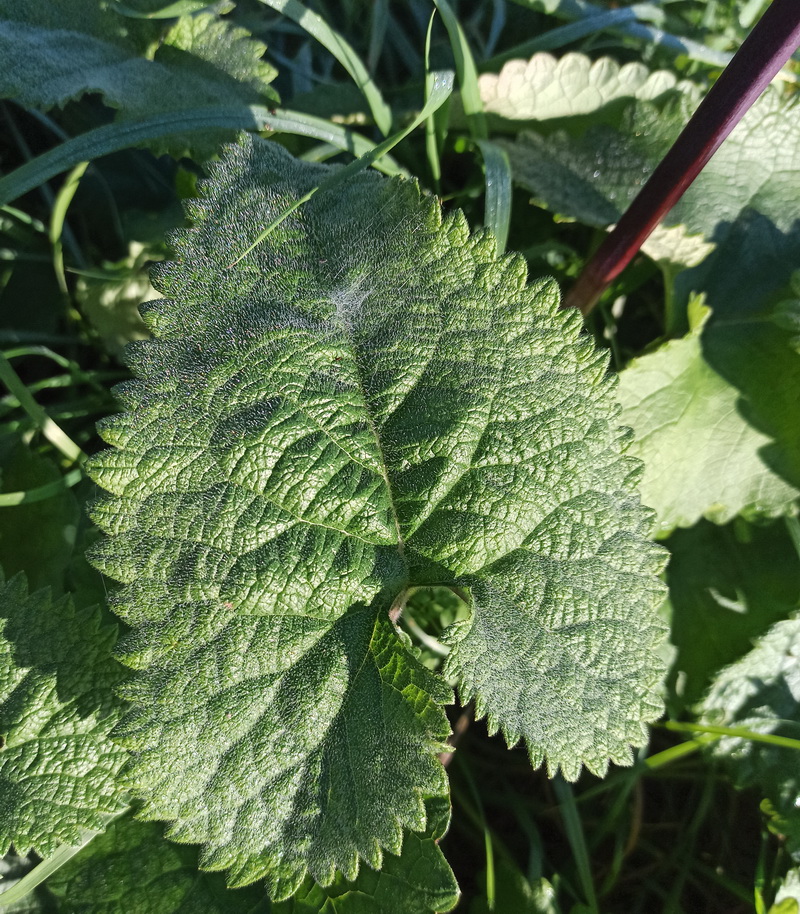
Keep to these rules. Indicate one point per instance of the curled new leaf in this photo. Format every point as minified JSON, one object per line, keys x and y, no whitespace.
{"x":366,"y":400}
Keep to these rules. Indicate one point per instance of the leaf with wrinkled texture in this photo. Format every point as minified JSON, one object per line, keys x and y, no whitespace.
{"x":761,"y":693}
{"x":132,"y":869}
{"x":53,"y":53}
{"x":545,"y":87}
{"x":58,"y":768}
{"x":418,"y":881}
{"x":368,"y":400}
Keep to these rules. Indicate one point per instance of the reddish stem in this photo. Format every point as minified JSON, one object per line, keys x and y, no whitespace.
{"x":765,"y":50}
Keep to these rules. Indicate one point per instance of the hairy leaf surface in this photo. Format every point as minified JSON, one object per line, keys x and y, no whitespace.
{"x":58,"y":768}
{"x":761,"y":693}
{"x":368,"y":400}
{"x":132,"y":869}
{"x":53,"y":53}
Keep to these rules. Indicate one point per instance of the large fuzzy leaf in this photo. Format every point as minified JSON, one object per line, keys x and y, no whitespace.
{"x":58,"y":767}
{"x":53,"y":53}
{"x":368,"y":399}
{"x":761,"y":693}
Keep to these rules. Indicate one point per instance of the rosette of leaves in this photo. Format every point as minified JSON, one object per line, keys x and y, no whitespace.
{"x":361,"y":400}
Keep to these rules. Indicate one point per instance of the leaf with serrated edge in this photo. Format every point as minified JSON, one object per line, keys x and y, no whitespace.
{"x":58,"y":767}
{"x":132,"y":869}
{"x":546,"y":87}
{"x":53,"y":53}
{"x":369,"y":400}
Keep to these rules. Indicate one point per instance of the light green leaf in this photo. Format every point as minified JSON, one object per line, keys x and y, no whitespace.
{"x":58,"y":768}
{"x":702,"y":456}
{"x":52,"y":55}
{"x":546,"y":87}
{"x":369,"y":400}
{"x":761,"y":693}
{"x":724,"y":593}
{"x":716,"y":416}
{"x":132,"y":869}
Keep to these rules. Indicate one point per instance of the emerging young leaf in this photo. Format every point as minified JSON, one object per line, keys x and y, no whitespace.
{"x":367,"y":400}
{"x":58,"y":768}
{"x":761,"y":693}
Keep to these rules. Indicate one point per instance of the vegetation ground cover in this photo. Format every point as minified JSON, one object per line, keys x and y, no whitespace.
{"x":327,"y":575}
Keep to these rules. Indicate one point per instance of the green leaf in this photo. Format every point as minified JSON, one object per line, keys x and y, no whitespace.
{"x":52,"y":56}
{"x":132,"y":869}
{"x":369,"y":400}
{"x":724,"y":594}
{"x":545,"y":87}
{"x":418,"y":881}
{"x":761,"y":692}
{"x":704,"y":454}
{"x":716,"y":416}
{"x":58,"y":768}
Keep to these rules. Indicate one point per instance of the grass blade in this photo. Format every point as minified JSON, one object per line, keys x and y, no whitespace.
{"x":171,"y":11}
{"x":343,"y":51}
{"x":57,"y":218}
{"x":574,"y":829}
{"x":441,"y":91}
{"x":41,"y":493}
{"x":466,"y":72}
{"x":114,"y":137}
{"x":50,"y":864}
{"x":53,"y":432}
{"x":498,"y":191}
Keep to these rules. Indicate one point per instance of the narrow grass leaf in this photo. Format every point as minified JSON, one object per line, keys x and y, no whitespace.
{"x":440,"y":92}
{"x":171,"y":11}
{"x":577,"y":841}
{"x":497,"y":170}
{"x":466,"y":71}
{"x":343,"y":51}
{"x":58,"y":217}
{"x":50,"y":864}
{"x":41,"y":493}
{"x":53,"y":432}
{"x":113,"y":137}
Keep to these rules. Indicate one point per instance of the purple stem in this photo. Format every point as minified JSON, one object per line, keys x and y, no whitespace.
{"x":765,"y":50}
